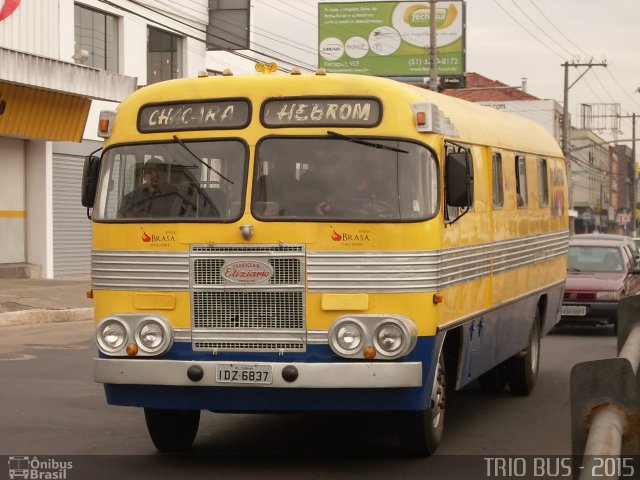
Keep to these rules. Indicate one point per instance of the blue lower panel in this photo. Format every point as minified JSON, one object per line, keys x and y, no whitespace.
{"x":267,"y":399}
{"x":242,"y":399}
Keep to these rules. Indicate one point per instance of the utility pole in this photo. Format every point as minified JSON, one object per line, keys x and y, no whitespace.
{"x":433,"y":72}
{"x":634,"y":180}
{"x":634,"y":186}
{"x":566,"y":123}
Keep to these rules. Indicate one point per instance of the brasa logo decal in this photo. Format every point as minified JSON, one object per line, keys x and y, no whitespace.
{"x":7,"y":7}
{"x":359,"y":236}
{"x":163,"y":239}
{"x":247,"y":271}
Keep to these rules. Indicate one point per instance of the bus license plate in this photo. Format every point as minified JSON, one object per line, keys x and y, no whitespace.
{"x":574,"y":310}
{"x":243,"y":373}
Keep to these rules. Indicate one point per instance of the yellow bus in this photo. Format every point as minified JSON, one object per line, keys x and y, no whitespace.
{"x":319,"y":242}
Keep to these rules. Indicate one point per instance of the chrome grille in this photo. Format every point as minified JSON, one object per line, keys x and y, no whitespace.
{"x":206,"y":271}
{"x":256,"y":346}
{"x":248,"y":310}
{"x":259,"y":316}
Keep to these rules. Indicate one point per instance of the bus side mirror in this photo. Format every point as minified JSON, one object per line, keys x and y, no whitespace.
{"x":459,"y":179}
{"x":90,"y":174}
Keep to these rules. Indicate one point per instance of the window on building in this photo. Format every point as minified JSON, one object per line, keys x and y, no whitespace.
{"x":96,"y":39}
{"x":497,"y":185}
{"x":521,"y":181}
{"x":164,"y":56}
{"x":543,"y":186}
{"x":228,"y":27}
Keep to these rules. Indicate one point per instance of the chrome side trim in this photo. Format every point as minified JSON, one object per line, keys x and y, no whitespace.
{"x":369,"y":271}
{"x":318,"y":337}
{"x":420,"y":271}
{"x":181,"y":334}
{"x":310,"y":375}
{"x":134,"y":270}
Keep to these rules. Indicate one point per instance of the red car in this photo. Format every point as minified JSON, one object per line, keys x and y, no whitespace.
{"x":601,"y":272}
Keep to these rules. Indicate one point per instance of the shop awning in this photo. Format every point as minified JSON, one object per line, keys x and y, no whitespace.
{"x":49,"y":99}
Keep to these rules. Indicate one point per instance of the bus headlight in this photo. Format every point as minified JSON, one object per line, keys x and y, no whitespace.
{"x":349,"y":337}
{"x":152,"y":335}
{"x":111,"y":335}
{"x":346,"y":337}
{"x":389,"y":338}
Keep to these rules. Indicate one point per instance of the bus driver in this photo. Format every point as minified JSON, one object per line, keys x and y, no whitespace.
{"x":155,"y":197}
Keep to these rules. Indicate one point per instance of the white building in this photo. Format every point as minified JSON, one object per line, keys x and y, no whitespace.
{"x":62,"y":61}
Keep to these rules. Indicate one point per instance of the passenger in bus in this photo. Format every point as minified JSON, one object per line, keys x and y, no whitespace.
{"x":369,"y":190}
{"x":155,"y":197}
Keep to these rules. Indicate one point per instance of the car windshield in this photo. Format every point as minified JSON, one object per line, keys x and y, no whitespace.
{"x":176,"y":181}
{"x":595,"y":259}
{"x":344,"y":178}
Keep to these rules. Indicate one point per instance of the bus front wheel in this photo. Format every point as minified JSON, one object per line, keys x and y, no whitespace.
{"x":172,"y":430}
{"x":421,"y":432}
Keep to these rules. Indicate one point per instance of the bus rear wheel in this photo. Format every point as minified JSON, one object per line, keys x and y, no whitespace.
{"x":172,"y":430}
{"x":421,"y":432}
{"x":522,"y":368}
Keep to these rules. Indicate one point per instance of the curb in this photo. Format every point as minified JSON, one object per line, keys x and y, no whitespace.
{"x":36,"y":316}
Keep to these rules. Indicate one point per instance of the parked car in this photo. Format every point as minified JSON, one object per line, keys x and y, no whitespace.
{"x":602,"y":270}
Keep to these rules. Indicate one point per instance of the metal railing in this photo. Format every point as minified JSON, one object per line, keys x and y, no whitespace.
{"x":605,"y":406}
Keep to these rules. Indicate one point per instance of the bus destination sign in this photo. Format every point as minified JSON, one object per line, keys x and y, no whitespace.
{"x":210,"y":115}
{"x":321,"y":112}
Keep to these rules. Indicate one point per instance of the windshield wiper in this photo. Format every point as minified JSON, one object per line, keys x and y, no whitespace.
{"x":364,"y":142}
{"x":178,"y":140}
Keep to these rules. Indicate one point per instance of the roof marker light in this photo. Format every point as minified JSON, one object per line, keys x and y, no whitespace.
{"x":105,"y":123}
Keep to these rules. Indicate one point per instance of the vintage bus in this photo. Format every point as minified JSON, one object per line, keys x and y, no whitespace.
{"x":319,"y":242}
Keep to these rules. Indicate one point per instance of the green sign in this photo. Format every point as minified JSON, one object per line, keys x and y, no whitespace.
{"x":390,"y":38}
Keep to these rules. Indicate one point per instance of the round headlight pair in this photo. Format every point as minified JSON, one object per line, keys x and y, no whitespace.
{"x":389,"y":337}
{"x":147,"y":335}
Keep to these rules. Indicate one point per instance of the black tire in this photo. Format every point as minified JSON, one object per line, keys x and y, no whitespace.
{"x":421,"y":432}
{"x":495,"y":380}
{"x":172,"y":430}
{"x":522,"y":368}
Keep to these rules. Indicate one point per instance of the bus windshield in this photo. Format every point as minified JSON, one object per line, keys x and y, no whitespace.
{"x":177,"y":181}
{"x":344,"y":178}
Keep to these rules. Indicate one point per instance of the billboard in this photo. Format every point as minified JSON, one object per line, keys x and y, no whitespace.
{"x":390,"y":38}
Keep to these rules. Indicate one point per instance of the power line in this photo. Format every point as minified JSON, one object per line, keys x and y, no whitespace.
{"x":527,"y":30}
{"x":558,"y":30}
{"x":233,"y":52}
{"x":540,"y":28}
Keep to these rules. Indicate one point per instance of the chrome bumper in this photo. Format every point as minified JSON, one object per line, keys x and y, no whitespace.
{"x":310,"y":375}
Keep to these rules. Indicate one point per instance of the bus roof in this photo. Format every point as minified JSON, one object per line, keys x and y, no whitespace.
{"x":475,"y":124}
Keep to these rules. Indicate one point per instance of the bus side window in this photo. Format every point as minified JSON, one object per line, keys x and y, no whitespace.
{"x":521,"y":182}
{"x":543,"y":185}
{"x":497,"y":180}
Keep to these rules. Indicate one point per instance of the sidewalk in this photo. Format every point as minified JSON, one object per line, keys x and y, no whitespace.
{"x":29,"y":301}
